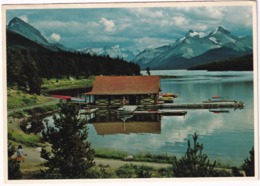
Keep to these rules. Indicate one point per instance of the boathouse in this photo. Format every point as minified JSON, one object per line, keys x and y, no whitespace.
{"x":125,"y":90}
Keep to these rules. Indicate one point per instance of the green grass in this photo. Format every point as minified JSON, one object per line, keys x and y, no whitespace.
{"x":142,"y":157}
{"x":17,"y":98}
{"x":19,"y":136}
{"x":110,"y":153}
{"x":65,"y":83}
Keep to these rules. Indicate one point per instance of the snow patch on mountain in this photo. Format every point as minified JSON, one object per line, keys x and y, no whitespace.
{"x":113,"y":52}
{"x":193,"y":45}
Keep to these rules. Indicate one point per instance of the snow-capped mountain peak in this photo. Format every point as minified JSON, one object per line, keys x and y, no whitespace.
{"x":19,"y":26}
{"x":192,"y":46}
{"x":222,"y":36}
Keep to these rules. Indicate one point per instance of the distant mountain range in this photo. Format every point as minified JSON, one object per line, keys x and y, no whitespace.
{"x":192,"y":50}
{"x":196,"y":49}
{"x":23,"y":29}
{"x":113,"y":52}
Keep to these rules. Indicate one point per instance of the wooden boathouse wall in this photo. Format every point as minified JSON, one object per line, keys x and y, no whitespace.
{"x":110,"y":100}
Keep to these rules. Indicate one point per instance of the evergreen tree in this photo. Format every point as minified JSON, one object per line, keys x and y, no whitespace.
{"x":31,"y":73}
{"x":71,"y":155}
{"x":13,"y":166}
{"x":194,"y":163}
{"x":249,"y":164}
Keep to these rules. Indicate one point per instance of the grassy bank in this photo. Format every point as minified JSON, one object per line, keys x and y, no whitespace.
{"x":18,"y":98}
{"x":66,"y":83}
{"x":142,"y":157}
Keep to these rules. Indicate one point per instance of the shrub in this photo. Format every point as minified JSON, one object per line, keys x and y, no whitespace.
{"x":249,"y":164}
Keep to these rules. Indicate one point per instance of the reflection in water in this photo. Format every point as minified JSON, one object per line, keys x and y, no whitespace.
{"x":227,"y":135}
{"x":107,"y":122}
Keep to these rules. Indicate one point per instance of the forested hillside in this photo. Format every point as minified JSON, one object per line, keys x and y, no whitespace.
{"x":244,"y":63}
{"x":26,"y":68}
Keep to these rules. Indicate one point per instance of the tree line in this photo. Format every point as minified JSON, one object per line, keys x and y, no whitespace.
{"x":244,"y":63}
{"x":26,"y":68}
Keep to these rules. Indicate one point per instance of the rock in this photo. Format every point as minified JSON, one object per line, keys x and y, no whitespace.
{"x":129,"y":158}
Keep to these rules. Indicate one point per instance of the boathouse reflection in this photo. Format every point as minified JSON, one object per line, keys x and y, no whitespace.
{"x":108,"y":122}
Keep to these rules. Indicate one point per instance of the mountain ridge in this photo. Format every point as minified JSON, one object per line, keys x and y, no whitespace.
{"x":195,"y":48}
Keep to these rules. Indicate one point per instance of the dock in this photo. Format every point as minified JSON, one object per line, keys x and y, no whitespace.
{"x":132,"y":110}
{"x":165,"y":112}
{"x":203,"y":105}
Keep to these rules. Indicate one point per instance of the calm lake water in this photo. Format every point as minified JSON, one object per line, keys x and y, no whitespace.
{"x":227,"y":137}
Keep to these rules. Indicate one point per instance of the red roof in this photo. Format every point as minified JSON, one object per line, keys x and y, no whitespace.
{"x":125,"y":85}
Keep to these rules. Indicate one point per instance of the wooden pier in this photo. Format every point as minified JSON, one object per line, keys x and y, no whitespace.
{"x":208,"y":105}
{"x":165,"y":112}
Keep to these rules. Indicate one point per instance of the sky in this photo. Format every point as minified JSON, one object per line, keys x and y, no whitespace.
{"x":132,"y":28}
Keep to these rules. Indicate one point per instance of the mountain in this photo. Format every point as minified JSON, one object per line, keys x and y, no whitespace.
{"x":195,"y":49}
{"x":21,"y":34}
{"x":20,"y":27}
{"x":29,"y":37}
{"x":113,"y":52}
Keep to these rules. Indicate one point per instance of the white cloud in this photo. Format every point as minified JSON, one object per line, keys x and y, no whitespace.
{"x":55,"y":37}
{"x":180,"y":21}
{"x":147,"y":12}
{"x":210,"y":12}
{"x":108,"y":24}
{"x":148,"y":42}
{"x":24,"y":18}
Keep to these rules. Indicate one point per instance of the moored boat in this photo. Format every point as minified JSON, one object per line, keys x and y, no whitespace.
{"x":216,"y":111}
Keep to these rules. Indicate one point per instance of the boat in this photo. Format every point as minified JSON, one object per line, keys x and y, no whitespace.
{"x":68,"y":98}
{"x":217,"y":111}
{"x":62,"y":97}
{"x":215,"y":97}
{"x":77,"y":99}
{"x":167,"y":99}
{"x":218,"y":99}
{"x":168,"y":95}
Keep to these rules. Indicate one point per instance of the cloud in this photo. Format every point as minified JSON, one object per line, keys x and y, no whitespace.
{"x":209,"y":12}
{"x":151,"y":25}
{"x":24,"y":18}
{"x":147,"y":12}
{"x":180,"y":21}
{"x":55,"y":37}
{"x":109,"y":25}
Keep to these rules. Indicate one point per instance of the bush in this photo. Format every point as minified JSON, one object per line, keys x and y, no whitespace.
{"x":134,"y":171}
{"x":165,"y":172}
{"x":126,"y":171}
{"x":18,"y":114}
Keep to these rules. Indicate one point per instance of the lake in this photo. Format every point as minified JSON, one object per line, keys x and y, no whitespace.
{"x":227,"y":137}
